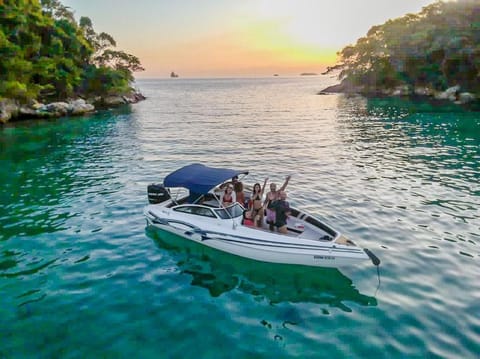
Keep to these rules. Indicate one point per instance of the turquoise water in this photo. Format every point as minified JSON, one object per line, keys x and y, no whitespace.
{"x":81,"y":276}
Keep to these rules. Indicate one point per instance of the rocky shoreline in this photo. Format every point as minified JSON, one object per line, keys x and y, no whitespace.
{"x":452,"y":94}
{"x":12,"y":110}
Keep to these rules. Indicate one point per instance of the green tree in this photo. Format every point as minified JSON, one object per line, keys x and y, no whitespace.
{"x":438,"y":47}
{"x":45,"y":54}
{"x":106,"y":65}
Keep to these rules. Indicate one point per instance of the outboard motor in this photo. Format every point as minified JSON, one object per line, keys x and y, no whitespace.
{"x":157,"y":193}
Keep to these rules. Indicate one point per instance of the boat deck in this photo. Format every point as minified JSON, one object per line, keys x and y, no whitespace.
{"x":306,"y":232}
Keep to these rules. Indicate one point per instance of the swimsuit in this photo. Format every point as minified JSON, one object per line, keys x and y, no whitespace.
{"x":248,"y":222}
{"x":281,"y":209}
{"x":257,"y":198}
{"x":270,"y":211}
{"x":270,"y":216}
{"x":256,"y":210}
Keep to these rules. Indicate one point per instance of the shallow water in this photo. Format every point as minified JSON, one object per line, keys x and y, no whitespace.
{"x":81,"y":276}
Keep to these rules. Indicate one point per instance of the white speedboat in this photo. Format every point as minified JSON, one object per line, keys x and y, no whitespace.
{"x":198,"y":216}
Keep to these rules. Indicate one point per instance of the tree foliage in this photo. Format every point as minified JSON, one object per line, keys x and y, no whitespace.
{"x":436,"y":48}
{"x":45,"y":54}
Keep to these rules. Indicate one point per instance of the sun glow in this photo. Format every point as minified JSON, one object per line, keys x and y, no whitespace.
{"x":304,"y":22}
{"x":295,"y":34}
{"x":238,"y":38}
{"x":250,"y":46}
{"x":285,"y":46}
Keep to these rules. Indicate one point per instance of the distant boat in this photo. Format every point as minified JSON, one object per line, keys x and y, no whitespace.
{"x":275,"y":74}
{"x":173,"y":74}
{"x":308,"y":74}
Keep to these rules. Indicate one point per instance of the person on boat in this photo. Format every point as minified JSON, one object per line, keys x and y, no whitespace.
{"x":232,"y":182}
{"x":238,"y":188}
{"x":282,"y":211}
{"x":228,"y":196}
{"x":235,"y":180}
{"x":256,"y":202}
{"x":248,"y":219}
{"x":271,"y":197}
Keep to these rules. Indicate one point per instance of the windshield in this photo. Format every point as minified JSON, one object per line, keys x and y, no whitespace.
{"x":235,"y":210}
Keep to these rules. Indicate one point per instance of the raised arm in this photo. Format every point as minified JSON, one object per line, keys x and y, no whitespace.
{"x":264,"y":185}
{"x":285,"y":183}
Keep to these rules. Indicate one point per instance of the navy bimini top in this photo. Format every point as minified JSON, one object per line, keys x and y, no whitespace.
{"x":199,"y":178}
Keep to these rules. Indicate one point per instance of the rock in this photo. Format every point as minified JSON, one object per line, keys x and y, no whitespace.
{"x":423,"y":91}
{"x":80,"y":107}
{"x":95,"y":100}
{"x":114,"y":100}
{"x":134,"y":97}
{"x":77,"y":102}
{"x":43,"y":111}
{"x":449,"y":94}
{"x":402,"y":90}
{"x":332,"y":89}
{"x":57,"y":108}
{"x":36,"y":105}
{"x":139,"y":96}
{"x":27,"y":111}
{"x":35,"y":110}
{"x":466,"y":97}
{"x":343,"y":87}
{"x":8,"y":109}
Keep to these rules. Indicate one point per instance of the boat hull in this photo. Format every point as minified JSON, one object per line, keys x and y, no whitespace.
{"x":261,"y":245}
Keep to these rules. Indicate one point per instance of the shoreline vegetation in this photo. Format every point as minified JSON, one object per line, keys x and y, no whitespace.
{"x":434,"y":54}
{"x":53,"y":66}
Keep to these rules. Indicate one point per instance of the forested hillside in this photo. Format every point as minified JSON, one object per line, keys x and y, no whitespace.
{"x":433,"y":50}
{"x":45,"y":55}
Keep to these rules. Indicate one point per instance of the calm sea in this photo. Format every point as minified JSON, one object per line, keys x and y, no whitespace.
{"x":82,"y":277}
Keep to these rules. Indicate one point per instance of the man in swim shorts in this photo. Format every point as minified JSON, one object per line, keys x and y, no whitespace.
{"x":282,"y":210}
{"x":271,"y":197}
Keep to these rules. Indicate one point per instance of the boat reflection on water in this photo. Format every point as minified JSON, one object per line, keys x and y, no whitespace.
{"x":220,"y":272}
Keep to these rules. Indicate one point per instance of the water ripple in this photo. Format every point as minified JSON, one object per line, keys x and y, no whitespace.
{"x":398,"y":178}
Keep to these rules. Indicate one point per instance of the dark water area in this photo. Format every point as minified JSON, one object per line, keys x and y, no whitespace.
{"x":82,"y":276}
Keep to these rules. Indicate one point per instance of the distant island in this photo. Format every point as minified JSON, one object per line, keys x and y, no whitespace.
{"x":433,"y":53}
{"x":173,"y":74}
{"x":52,"y":66}
{"x":308,"y":74}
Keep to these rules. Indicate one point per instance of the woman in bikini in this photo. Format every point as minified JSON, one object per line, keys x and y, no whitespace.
{"x":271,"y":197}
{"x":256,"y":202}
{"x":228,"y":197}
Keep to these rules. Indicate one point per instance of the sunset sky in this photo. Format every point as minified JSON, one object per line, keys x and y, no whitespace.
{"x":207,"y":38}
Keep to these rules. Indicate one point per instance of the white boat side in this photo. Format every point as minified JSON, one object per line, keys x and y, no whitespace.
{"x":309,"y":242}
